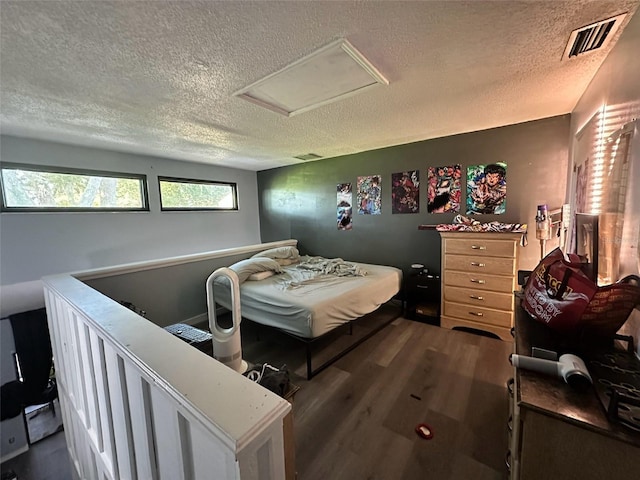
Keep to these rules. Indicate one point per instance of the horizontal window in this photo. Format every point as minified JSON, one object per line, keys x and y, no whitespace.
{"x":32,"y":188}
{"x":186,"y":194}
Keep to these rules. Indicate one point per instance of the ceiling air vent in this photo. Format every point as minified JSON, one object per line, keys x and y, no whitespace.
{"x":592,"y":37}
{"x":308,"y":156}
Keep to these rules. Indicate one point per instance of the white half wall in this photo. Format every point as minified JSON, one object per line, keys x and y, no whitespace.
{"x":139,"y":403}
{"x":37,"y":244}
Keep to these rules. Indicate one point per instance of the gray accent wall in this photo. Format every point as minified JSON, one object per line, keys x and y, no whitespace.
{"x":170,"y":291}
{"x":38,"y":244}
{"x":300,"y":201}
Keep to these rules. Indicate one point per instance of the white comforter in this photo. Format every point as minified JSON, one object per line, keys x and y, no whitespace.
{"x":317,"y":270}
{"x":308,"y":302}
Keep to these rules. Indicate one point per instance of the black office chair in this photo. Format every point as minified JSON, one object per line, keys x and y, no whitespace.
{"x":35,"y":360}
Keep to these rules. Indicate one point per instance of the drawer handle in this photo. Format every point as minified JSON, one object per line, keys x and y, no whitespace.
{"x":478,"y":247}
{"x":510,"y":423}
{"x":422,"y":286}
{"x":507,"y":460}
{"x":510,"y":384}
{"x":477,"y":264}
{"x":476,"y":297}
{"x":477,"y":314}
{"x":475,"y":280}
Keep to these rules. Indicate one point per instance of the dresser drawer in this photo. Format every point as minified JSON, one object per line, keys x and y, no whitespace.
{"x":480,"y":247}
{"x":478,"y":314}
{"x":479,"y":298}
{"x":480,"y":264}
{"x":479,"y":281}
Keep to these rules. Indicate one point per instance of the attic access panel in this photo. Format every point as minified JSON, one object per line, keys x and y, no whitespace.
{"x":333,"y":72}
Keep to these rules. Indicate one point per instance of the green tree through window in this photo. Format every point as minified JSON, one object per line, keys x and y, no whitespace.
{"x":35,"y":188}
{"x":184,"y":194}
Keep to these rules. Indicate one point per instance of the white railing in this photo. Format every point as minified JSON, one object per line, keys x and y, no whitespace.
{"x":139,"y":403}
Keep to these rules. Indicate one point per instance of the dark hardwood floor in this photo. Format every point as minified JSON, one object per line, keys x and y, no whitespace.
{"x":46,"y":459}
{"x":356,"y":419}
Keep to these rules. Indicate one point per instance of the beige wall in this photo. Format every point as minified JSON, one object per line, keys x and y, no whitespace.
{"x":616,"y":85}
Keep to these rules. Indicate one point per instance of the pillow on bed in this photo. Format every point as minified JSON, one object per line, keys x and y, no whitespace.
{"x":245,"y":268}
{"x":261,"y":275}
{"x":290,"y":253}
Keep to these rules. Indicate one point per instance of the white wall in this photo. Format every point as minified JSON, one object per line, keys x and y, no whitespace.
{"x":616,"y":86}
{"x":36,"y":244}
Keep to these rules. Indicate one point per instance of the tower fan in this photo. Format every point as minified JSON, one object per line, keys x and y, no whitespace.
{"x":227,"y":344}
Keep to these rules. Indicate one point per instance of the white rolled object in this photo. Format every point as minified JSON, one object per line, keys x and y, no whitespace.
{"x":568,"y":367}
{"x":227,"y":342}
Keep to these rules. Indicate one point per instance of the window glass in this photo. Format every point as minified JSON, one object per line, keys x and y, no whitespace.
{"x":185,"y":194}
{"x":37,"y":188}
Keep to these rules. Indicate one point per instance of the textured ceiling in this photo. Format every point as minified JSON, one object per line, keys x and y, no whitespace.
{"x":158,"y":77}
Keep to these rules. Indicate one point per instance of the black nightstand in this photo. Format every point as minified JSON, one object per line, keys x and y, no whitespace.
{"x":422,"y":298}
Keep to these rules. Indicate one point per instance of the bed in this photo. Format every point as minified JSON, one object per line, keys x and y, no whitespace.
{"x":307,"y":297}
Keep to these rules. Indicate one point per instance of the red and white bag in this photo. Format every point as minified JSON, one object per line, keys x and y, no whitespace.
{"x":560,"y":295}
{"x":558,"y":292}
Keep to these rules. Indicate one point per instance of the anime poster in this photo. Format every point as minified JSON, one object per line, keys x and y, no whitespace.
{"x":487,"y":189}
{"x":405,"y":193}
{"x":345,"y":198}
{"x":369,"y":195}
{"x":443,"y":191}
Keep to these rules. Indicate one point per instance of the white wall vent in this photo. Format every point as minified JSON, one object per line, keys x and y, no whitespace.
{"x":308,"y":156}
{"x":592,"y":37}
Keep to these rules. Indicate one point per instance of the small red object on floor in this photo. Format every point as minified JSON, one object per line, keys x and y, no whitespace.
{"x":425,"y":431}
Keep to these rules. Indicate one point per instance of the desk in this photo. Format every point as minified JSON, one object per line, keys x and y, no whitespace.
{"x":556,"y":432}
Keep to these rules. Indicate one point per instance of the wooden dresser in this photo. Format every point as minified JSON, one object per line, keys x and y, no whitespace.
{"x":478,"y":280}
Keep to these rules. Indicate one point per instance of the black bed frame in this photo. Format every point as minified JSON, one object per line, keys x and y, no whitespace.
{"x":309,"y":342}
